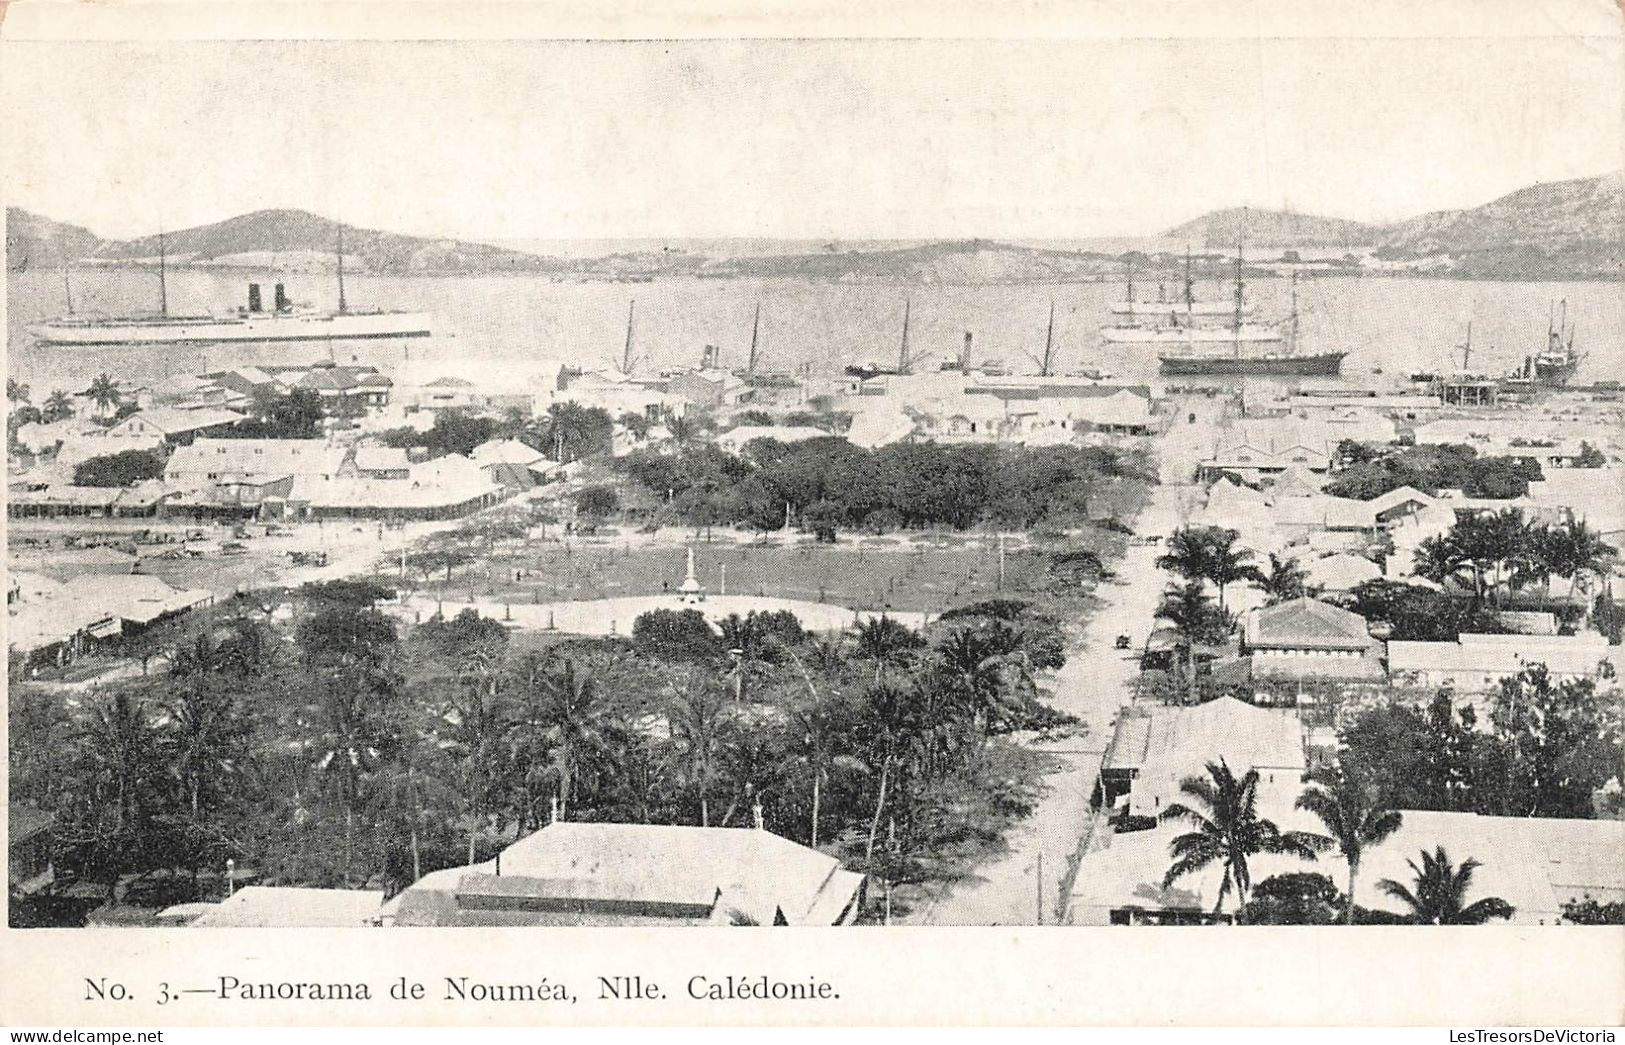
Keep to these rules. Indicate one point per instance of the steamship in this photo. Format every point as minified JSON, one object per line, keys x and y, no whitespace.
{"x":1195,"y":358}
{"x":1185,"y":320}
{"x":284,"y":321}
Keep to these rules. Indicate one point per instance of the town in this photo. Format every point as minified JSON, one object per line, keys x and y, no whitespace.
{"x":443,"y":643}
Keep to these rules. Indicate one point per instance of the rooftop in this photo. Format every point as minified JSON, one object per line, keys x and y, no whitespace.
{"x":1306,"y":623}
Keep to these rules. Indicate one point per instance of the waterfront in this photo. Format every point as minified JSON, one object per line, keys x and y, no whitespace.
{"x":1395,"y":325}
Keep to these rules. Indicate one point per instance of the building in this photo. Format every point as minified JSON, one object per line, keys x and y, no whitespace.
{"x":637,"y":874}
{"x":1338,"y":572}
{"x":1153,"y":749}
{"x":1308,"y":639}
{"x":1535,"y":864}
{"x":708,"y":389}
{"x":1478,"y":663}
{"x":734,"y":439}
{"x":93,"y":609}
{"x":287,"y":907}
{"x":227,"y":461}
{"x":1255,"y":449}
{"x":345,"y":391}
{"x":443,"y":488}
{"x":169,"y":425}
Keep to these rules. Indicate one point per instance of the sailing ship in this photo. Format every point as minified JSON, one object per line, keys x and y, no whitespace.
{"x":1190,"y":322}
{"x":1164,"y":304}
{"x":869,"y":368}
{"x":1197,"y":357}
{"x":1558,"y":361}
{"x":284,"y":321}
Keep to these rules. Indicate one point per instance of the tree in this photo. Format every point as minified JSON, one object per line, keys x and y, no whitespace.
{"x":1295,"y":898}
{"x":676,"y":634}
{"x":1352,"y":818}
{"x":1285,"y":580}
{"x":1589,"y":911}
{"x":822,"y":518}
{"x":1438,"y":894}
{"x":695,"y":708}
{"x":1228,"y":831}
{"x":1590,"y":457}
{"x":121,"y":469}
{"x":206,"y":741}
{"x":637,"y":424}
{"x":571,"y":432}
{"x":58,"y":407}
{"x":597,"y":503}
{"x":884,"y":640}
{"x":1562,"y":743}
{"x":17,"y":392}
{"x":1208,"y":553}
{"x":295,"y":414}
{"x":562,"y":721}
{"x":103,"y":391}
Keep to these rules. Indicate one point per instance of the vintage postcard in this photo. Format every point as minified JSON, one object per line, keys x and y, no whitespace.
{"x":541,"y":514}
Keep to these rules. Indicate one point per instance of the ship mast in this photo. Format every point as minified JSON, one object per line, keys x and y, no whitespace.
{"x":343,"y":308}
{"x":163,"y":283}
{"x":626,"y":353}
{"x":1049,"y":344}
{"x":755,"y":329}
{"x":1467,"y":347}
{"x":1128,"y":266}
{"x":902,"y":350}
{"x":67,"y":287}
{"x":1190,"y":286}
{"x":1240,"y":291}
{"x":1292,"y":345}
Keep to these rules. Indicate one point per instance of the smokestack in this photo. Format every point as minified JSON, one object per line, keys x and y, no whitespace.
{"x":282,"y":303}
{"x":253,"y":297}
{"x":964,"y":355}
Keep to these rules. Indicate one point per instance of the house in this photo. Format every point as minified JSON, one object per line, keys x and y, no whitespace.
{"x":1478,"y":663}
{"x":637,"y":874}
{"x":1305,"y":638}
{"x":170,"y":425}
{"x":377,"y":462}
{"x":225,"y":461}
{"x":879,"y":426}
{"x":447,"y":393}
{"x":512,"y":464}
{"x":93,"y":608}
{"x":1339,"y":572}
{"x":734,"y":439}
{"x":1536,"y":864}
{"x":1302,"y":516}
{"x":345,"y":391}
{"x":1153,"y":749}
{"x":443,"y":488}
{"x":1255,"y":449}
{"x":287,"y":907}
{"x":708,"y":389}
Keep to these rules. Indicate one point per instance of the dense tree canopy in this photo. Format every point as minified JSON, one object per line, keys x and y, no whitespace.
{"x":904,"y":485}
{"x":120,"y":469}
{"x":1432,"y":468}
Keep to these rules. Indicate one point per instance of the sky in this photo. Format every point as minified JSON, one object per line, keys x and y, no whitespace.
{"x":796,"y":139}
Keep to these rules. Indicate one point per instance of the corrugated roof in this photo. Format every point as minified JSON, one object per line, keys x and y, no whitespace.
{"x":284,"y":907}
{"x":1306,"y":623}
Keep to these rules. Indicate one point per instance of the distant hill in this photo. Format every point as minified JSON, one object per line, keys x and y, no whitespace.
{"x":1572,"y":228}
{"x":1566,"y":227}
{"x":1223,"y":228}
{"x":295,"y":232}
{"x":954,"y":262}
{"x":36,"y":242}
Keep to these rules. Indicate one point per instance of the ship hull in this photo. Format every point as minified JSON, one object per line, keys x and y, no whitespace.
{"x":1324,"y":363}
{"x":1554,"y":373}
{"x":1248,"y":335}
{"x":211,"y":330}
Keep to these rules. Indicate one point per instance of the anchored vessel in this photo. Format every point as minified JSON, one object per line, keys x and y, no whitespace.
{"x":284,"y":321}
{"x":1188,"y":321}
{"x":1196,"y":356}
{"x":1558,"y":361}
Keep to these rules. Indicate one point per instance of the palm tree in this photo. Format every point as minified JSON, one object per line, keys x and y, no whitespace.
{"x":1439,"y":894}
{"x":1353,"y":818}
{"x":17,"y":392}
{"x":205,"y":739}
{"x":476,"y":722}
{"x":1574,"y":550}
{"x":1285,"y":580}
{"x":695,"y":710}
{"x":58,"y":407}
{"x":1187,"y":608}
{"x":884,"y":641}
{"x":104,"y":393}
{"x":1228,"y":831}
{"x":1209,"y":553}
{"x":562,"y":714}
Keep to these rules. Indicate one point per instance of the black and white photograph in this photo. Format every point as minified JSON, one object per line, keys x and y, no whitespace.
{"x":1170,"y":477}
